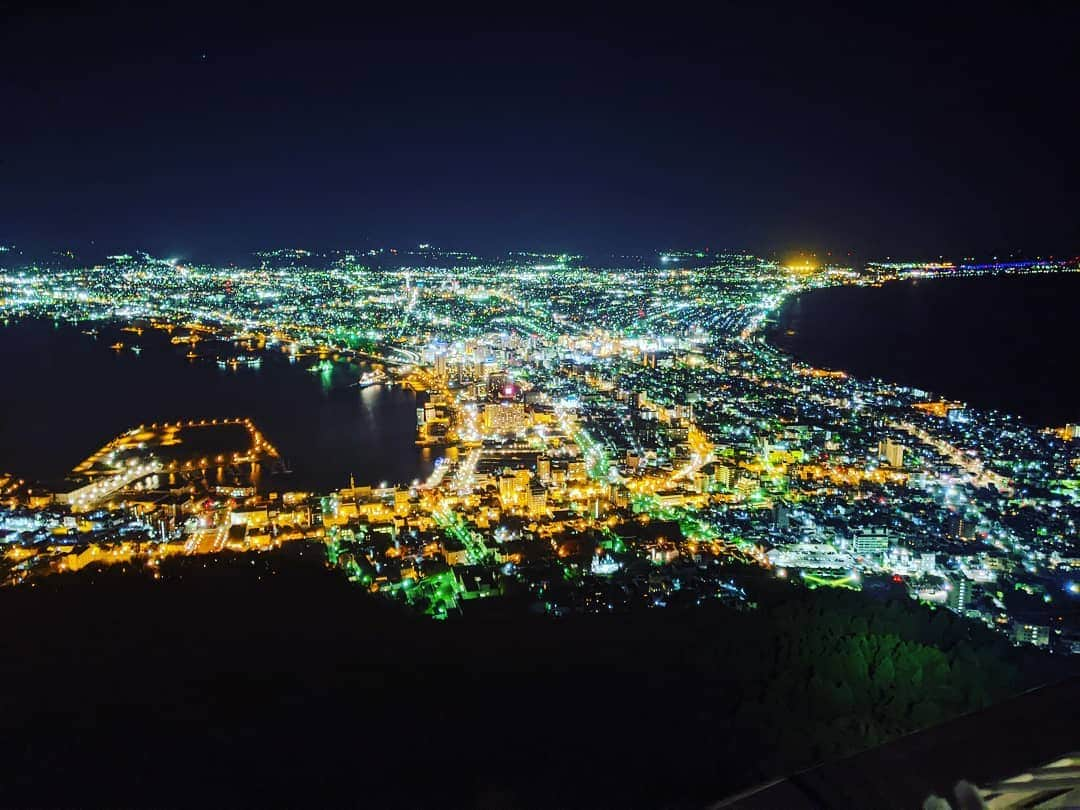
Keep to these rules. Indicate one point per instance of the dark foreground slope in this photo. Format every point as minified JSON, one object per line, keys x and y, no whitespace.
{"x":990,"y":748}
{"x":272,"y":681}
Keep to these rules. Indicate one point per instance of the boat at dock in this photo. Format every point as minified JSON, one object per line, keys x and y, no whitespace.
{"x":369,"y":378}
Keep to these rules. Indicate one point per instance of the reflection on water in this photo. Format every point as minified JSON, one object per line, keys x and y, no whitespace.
{"x":67,"y":393}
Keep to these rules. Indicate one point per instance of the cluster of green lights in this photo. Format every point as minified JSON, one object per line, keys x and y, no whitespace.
{"x":455,"y":527}
{"x":850,"y":580}
{"x":598,"y":462}
{"x":694,"y":527}
{"x":435,"y":595}
{"x":611,"y":541}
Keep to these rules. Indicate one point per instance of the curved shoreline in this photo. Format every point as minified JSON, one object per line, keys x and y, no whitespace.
{"x":331,"y":413}
{"x":772,"y":332}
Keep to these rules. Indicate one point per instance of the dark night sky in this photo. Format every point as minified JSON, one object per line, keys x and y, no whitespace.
{"x":213,"y":131}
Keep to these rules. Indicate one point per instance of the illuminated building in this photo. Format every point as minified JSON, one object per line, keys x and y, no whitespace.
{"x":507,"y":483}
{"x":872,"y":541}
{"x":604,"y":564}
{"x":256,"y":516}
{"x":1037,"y":635}
{"x":747,"y":485}
{"x":723,"y":475}
{"x":927,"y":563}
{"x":809,"y":555}
{"x":537,"y":500}
{"x":959,"y":528}
{"x":960,"y":591}
{"x":892,"y":452}
{"x":616,"y":387}
{"x":504,"y":417}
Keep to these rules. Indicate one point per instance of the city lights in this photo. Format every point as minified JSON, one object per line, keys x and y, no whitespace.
{"x":597,"y":418}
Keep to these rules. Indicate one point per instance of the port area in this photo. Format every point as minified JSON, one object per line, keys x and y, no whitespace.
{"x":182,"y":445}
{"x":228,"y":450}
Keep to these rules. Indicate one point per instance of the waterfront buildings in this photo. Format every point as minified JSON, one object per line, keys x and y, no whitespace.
{"x":598,"y":430}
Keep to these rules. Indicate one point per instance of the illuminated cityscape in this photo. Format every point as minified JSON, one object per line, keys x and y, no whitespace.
{"x":539,"y":409}
{"x":605,"y":439}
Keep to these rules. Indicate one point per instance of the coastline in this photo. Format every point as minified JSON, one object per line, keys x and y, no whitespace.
{"x":773,"y":333}
{"x":304,"y":415}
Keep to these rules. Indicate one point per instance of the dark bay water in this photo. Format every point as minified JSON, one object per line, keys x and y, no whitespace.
{"x":64,"y":394}
{"x":1006,"y":342}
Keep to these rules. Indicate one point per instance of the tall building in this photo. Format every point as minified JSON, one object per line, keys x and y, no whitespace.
{"x":507,"y":490}
{"x":543,"y":468}
{"x":781,"y":515}
{"x":537,"y":499}
{"x":724,"y":475}
{"x":522,"y":478}
{"x":960,"y":596}
{"x":892,"y":452}
{"x":871,"y":541}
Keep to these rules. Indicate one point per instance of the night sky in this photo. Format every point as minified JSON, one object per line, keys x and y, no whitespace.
{"x":205,"y":131}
